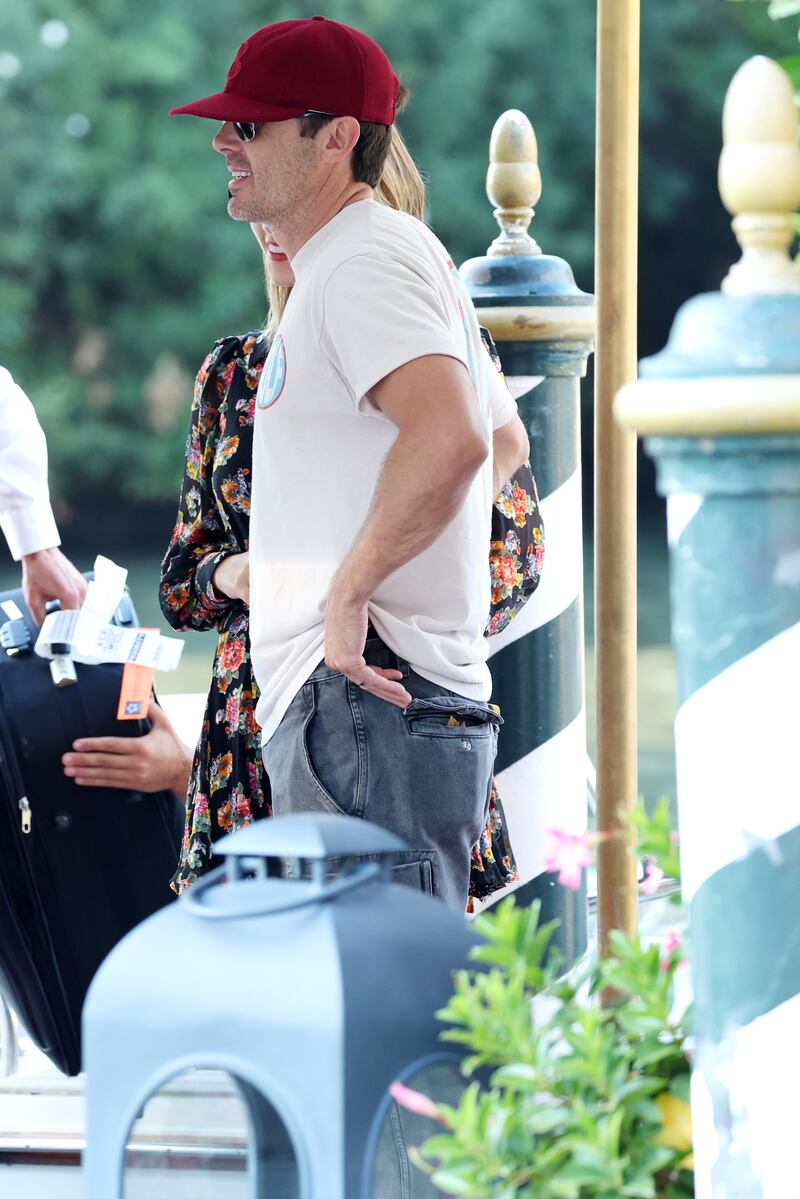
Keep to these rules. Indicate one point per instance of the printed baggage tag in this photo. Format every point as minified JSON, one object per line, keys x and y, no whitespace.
{"x":136,"y":689}
{"x":12,"y":610}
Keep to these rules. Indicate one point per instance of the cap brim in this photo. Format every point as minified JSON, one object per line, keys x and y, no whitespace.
{"x":227,"y":106}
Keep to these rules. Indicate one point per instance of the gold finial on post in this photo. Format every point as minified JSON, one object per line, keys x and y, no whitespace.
{"x":513,"y":182}
{"x":759,"y":177}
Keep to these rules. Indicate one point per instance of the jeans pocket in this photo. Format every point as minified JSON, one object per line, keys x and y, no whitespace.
{"x":415,"y":869}
{"x":451,"y":716}
{"x":333,"y":744}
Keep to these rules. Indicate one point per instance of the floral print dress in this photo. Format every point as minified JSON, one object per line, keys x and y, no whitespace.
{"x":228,"y":787}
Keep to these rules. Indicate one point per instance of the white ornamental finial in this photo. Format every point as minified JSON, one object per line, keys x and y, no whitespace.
{"x":759,"y":177}
{"x":513,"y":182}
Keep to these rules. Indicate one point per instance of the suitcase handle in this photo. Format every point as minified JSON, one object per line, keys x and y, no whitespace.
{"x":305,"y":893}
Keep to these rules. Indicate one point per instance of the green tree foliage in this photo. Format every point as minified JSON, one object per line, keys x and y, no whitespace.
{"x":120,"y":266}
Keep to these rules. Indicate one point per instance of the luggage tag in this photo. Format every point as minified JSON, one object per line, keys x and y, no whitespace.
{"x":135,"y":689}
{"x":91,"y":638}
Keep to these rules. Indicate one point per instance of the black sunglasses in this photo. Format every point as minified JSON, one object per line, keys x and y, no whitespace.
{"x":246,"y":130}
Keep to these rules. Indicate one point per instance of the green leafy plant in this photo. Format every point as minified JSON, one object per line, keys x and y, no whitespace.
{"x":569,"y":1099}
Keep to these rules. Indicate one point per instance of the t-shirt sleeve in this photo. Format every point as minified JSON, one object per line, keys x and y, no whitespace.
{"x":502,"y":405}
{"x":378,"y":314}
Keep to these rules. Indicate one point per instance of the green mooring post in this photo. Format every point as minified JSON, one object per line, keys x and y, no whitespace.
{"x":544,"y":327}
{"x":720,"y":408}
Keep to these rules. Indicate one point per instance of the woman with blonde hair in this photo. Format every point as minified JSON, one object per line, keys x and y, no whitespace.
{"x":204,"y":575}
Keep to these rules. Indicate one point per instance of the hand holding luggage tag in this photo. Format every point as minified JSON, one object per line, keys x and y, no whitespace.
{"x":90,"y":636}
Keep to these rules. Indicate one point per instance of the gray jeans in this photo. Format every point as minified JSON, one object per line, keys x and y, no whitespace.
{"x":424,"y":772}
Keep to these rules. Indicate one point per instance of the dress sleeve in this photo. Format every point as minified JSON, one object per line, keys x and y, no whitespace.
{"x":200,"y":539}
{"x":502,"y":405}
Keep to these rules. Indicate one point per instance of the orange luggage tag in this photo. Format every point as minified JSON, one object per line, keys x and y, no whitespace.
{"x":136,"y":689}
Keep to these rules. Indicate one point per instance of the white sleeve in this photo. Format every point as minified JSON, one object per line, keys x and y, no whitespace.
{"x":26,"y":517}
{"x":502,"y":405}
{"x":379,"y":314}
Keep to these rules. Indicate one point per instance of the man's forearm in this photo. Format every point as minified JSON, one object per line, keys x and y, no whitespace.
{"x":417,"y":495}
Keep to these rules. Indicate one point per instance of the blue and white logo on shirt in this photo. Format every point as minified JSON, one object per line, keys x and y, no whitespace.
{"x":274,"y":377}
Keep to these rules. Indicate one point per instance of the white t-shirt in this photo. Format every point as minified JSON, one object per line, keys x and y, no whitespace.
{"x":374,"y":289}
{"x":26,"y":517}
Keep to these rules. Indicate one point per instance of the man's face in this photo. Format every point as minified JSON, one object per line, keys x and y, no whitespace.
{"x":270,"y":175}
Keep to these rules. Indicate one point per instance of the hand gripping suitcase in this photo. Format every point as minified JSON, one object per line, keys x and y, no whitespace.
{"x":79,"y":866}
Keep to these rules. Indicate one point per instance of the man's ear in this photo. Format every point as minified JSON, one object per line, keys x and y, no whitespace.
{"x":340,"y":136}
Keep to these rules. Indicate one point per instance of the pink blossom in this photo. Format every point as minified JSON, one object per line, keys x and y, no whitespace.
{"x":672,"y":945}
{"x":673,"y":838}
{"x":569,"y":854}
{"x":415,"y":1101}
{"x":653,"y":878}
{"x":242,"y":804}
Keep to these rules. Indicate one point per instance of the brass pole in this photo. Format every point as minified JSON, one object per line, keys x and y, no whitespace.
{"x":616,"y":216}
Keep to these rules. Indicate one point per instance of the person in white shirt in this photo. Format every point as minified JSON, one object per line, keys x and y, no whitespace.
{"x":159,"y":760}
{"x":26,"y":517}
{"x":372,"y":472}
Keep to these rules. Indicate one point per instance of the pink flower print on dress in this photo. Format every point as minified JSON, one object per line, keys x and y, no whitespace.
{"x":241,"y":802}
{"x":232,"y":710}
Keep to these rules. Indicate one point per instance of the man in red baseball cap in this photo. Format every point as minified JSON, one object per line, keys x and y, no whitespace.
{"x":372,"y":473}
{"x":285,"y":69}
{"x":310,"y":69}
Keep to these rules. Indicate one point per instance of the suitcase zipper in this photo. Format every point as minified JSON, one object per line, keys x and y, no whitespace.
{"x":9,"y":754}
{"x":26,"y":815}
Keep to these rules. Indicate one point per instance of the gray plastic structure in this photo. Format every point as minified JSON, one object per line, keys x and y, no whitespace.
{"x":335,"y":973}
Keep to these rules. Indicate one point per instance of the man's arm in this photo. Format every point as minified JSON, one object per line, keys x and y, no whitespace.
{"x":441,"y":445}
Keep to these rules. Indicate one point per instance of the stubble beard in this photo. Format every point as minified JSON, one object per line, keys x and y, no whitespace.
{"x":253,"y":211}
{"x":278,"y":200}
{"x":269,"y":210}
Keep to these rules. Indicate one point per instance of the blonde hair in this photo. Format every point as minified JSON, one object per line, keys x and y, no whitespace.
{"x":401,"y":187}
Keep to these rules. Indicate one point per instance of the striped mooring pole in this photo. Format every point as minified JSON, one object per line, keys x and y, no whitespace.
{"x":720,"y":408}
{"x":543,"y":326}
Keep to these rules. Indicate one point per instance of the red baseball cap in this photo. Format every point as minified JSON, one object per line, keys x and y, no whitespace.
{"x":286,"y":69}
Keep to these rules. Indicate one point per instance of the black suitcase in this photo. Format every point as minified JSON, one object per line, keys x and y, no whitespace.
{"x":79,"y":866}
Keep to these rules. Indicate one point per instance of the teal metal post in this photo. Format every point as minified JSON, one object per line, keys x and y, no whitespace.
{"x":721,"y":406}
{"x":543,"y":326}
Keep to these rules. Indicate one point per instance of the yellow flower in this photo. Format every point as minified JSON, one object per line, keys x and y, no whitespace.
{"x":677,"y":1130}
